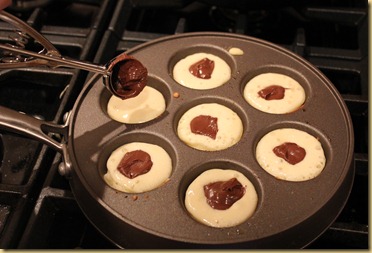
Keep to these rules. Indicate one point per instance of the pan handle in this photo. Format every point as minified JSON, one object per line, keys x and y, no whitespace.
{"x":36,"y":129}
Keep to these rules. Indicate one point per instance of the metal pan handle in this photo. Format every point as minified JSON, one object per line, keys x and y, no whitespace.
{"x":36,"y":129}
{"x":20,"y":123}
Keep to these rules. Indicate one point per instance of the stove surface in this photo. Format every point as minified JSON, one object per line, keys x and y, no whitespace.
{"x":37,"y":207}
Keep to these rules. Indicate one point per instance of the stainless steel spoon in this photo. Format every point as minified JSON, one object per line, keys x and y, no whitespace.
{"x":115,"y":80}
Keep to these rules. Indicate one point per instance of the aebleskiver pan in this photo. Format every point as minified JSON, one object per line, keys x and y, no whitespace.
{"x":288,"y":215}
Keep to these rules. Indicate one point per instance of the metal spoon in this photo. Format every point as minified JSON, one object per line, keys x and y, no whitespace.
{"x":123,"y":76}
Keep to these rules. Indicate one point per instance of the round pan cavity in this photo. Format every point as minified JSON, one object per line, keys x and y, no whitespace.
{"x":289,"y":214}
{"x":201,"y":48}
{"x":282,"y":71}
{"x":153,"y":82}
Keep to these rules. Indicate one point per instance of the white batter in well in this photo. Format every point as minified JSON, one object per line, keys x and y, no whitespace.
{"x":294,"y":96}
{"x":221,"y":73}
{"x":157,"y":176}
{"x":310,"y":167}
{"x":230,"y":127}
{"x":196,"y":203}
{"x":146,"y":106}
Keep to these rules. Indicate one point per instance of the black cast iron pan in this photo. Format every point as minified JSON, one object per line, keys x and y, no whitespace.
{"x":288,"y":215}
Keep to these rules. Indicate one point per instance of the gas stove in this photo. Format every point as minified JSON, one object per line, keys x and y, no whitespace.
{"x":37,"y":207}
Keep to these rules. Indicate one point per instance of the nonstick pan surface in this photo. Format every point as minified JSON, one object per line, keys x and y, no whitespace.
{"x":288,"y":215}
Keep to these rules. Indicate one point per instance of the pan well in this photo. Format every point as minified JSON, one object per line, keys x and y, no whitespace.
{"x":153,"y":82}
{"x":324,"y":141}
{"x":279,"y":69}
{"x":194,"y":172}
{"x":201,"y":48}
{"x":134,"y":137}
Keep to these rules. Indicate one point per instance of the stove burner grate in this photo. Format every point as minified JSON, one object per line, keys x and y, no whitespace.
{"x":37,"y":208}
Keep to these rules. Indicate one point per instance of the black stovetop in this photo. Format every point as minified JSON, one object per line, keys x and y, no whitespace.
{"x":37,"y":207}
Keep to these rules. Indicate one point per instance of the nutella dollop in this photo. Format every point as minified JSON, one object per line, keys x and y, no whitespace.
{"x":222,"y":195}
{"x":202,"y":69}
{"x":129,"y":78}
{"x":204,"y":125}
{"x":272,"y":92}
{"x":135,"y":163}
{"x":290,"y":152}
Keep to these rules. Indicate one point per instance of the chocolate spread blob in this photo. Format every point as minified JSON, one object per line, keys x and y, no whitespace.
{"x":204,"y":125}
{"x":290,"y":152}
{"x":135,"y":163}
{"x":130,"y":77}
{"x":202,"y":69}
{"x":272,"y":92}
{"x":222,"y":195}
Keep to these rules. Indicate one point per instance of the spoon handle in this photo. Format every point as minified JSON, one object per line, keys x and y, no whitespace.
{"x":42,"y":59}
{"x":16,"y":56}
{"x":27,"y":30}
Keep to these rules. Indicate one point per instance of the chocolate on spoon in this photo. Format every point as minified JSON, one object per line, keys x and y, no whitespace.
{"x":127,"y":76}
{"x":123,"y":76}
